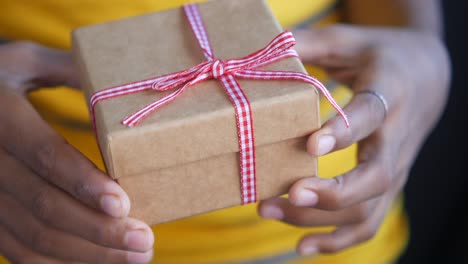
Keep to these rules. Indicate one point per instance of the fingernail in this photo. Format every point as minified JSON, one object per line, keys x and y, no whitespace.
{"x":111,"y":205}
{"x":139,"y":258}
{"x":325,"y":144}
{"x":138,"y":239}
{"x":309,"y":250}
{"x":306,"y":197}
{"x":272,"y":212}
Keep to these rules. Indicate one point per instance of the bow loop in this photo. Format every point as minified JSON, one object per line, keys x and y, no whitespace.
{"x":176,"y":79}
{"x":280,"y":45}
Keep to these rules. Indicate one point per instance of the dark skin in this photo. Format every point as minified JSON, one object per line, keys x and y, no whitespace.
{"x":53,"y":200}
{"x":411,"y":71}
{"x":408,"y":65}
{"x":57,"y":207}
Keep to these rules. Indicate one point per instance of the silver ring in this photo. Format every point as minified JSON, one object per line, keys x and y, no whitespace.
{"x":380,"y":97}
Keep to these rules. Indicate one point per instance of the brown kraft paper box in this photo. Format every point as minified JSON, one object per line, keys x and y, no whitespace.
{"x":183,"y":159}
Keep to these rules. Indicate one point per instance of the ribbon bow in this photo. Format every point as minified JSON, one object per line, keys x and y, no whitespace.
{"x":225,"y":71}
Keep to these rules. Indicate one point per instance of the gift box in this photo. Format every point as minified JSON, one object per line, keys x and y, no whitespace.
{"x":188,"y":156}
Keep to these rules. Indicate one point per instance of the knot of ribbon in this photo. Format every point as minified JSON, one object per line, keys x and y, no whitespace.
{"x":225,"y":71}
{"x":217,"y":69}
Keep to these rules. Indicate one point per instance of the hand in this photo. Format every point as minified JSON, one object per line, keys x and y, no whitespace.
{"x":55,"y":205}
{"x":411,"y":72}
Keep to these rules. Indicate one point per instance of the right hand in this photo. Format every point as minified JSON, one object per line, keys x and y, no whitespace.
{"x":55,"y":205}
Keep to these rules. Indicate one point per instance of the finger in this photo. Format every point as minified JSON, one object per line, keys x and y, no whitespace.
{"x":36,"y":66}
{"x":56,"y":67}
{"x":365,"y":113}
{"x":15,"y":252}
{"x":329,"y":48}
{"x":345,"y":236}
{"x":56,"y":244}
{"x":329,"y":43}
{"x":345,"y":76}
{"x":56,"y":209}
{"x":282,"y":209}
{"x":369,"y":179}
{"x":26,"y":136}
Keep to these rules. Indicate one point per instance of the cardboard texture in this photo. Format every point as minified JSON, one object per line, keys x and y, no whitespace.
{"x":183,"y":159}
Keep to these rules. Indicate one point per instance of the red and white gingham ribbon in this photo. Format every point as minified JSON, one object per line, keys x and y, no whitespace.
{"x":225,"y":71}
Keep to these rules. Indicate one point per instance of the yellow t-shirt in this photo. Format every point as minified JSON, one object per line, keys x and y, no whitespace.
{"x":235,"y":235}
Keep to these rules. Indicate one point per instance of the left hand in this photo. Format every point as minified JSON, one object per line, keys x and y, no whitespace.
{"x":410,"y":70}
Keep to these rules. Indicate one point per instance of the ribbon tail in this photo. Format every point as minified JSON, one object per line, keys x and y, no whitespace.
{"x":116,"y":92}
{"x":135,"y":118}
{"x":295,"y":76}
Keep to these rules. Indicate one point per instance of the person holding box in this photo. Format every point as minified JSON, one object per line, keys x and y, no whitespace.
{"x":57,"y":206}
